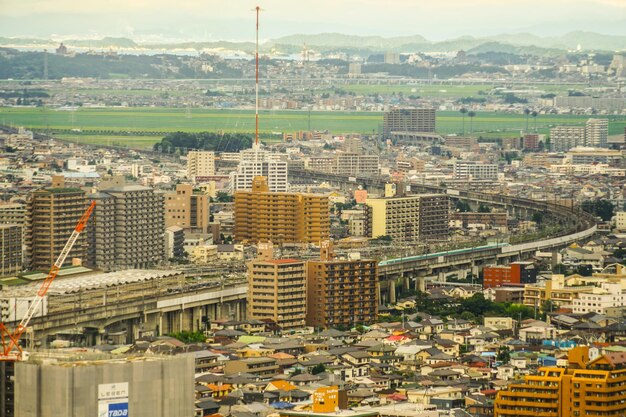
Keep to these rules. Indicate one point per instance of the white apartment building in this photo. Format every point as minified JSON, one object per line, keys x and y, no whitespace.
{"x":200,"y":164}
{"x":564,"y":138}
{"x":597,"y":133}
{"x":353,"y":165}
{"x":475,"y":170}
{"x":620,"y":220}
{"x":256,"y":162}
{"x":600,"y":300}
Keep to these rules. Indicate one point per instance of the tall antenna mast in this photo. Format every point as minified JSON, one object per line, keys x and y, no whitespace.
{"x":256,"y":106}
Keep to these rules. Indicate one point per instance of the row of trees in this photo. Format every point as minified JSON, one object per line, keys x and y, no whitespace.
{"x":209,"y":141}
{"x":473,"y":308}
{"x":472,"y":114}
{"x":599,"y":208}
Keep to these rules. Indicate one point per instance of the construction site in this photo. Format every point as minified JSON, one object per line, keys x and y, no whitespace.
{"x":87,"y":307}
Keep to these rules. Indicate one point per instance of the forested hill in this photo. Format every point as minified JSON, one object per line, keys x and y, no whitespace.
{"x":30,"y":65}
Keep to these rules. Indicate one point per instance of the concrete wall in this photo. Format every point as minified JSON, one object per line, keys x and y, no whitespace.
{"x":158,"y":387}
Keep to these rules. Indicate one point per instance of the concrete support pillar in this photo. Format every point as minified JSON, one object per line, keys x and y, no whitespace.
{"x":392,"y":291}
{"x":406,"y":283}
{"x":420,"y":284}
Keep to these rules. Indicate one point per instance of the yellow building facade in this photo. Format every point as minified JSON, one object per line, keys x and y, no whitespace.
{"x":262,"y":216}
{"x":585,"y":388}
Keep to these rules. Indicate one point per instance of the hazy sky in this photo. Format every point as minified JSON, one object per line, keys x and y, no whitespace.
{"x":234,"y":20}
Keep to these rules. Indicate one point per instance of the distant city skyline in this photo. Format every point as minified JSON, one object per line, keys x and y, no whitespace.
{"x":197,"y":20}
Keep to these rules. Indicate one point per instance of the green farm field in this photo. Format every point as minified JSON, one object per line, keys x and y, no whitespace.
{"x":141,"y":127}
{"x":449,"y":90}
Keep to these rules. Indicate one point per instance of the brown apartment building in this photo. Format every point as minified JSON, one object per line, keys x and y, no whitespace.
{"x":341,"y":292}
{"x":186,"y":208}
{"x":52,"y":214}
{"x":276,"y":289}
{"x":262,"y":216}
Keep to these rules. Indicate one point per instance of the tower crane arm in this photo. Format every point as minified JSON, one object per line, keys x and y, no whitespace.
{"x":11,"y":349}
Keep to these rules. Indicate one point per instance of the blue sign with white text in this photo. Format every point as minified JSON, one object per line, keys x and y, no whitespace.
{"x":118,"y":410}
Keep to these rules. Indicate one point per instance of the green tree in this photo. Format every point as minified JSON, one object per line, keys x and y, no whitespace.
{"x":619,"y":253}
{"x":504,"y":354}
{"x":599,"y":208}
{"x":537,"y":217}
{"x":584,"y":270}
{"x":534,"y":114}
{"x":527,"y":113}
{"x":382,"y":239}
{"x":186,"y":336}
{"x":318,"y":369}
{"x":210,"y":141}
{"x":463,"y":113}
{"x":471,"y":115}
{"x":484,"y":209}
{"x":223,"y":197}
{"x":462,"y":206}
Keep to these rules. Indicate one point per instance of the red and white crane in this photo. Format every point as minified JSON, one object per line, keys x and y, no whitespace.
{"x":11,"y":350}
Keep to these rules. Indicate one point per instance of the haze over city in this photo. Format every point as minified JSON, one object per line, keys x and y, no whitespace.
{"x":229,"y":20}
{"x":384,"y":208}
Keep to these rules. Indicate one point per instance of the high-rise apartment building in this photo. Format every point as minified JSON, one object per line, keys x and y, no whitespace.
{"x":346,"y":164}
{"x":186,"y":208}
{"x":564,"y":138}
{"x":262,"y":215}
{"x":341,"y":292}
{"x":256,"y":162}
{"x":277,"y":289}
{"x":353,"y":144}
{"x":13,"y":213}
{"x":423,"y":217}
{"x":127,"y":227}
{"x":409,"y":120}
{"x":473,"y":170}
{"x":10,"y":249}
{"x":174,"y":242}
{"x":531,"y":141}
{"x":200,"y":164}
{"x":353,"y":165}
{"x":585,"y":388}
{"x":52,"y":215}
{"x":597,"y":133}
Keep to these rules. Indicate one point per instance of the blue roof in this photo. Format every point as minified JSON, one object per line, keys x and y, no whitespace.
{"x":282,"y":405}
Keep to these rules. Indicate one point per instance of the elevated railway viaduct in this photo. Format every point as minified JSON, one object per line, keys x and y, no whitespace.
{"x":575,"y":225}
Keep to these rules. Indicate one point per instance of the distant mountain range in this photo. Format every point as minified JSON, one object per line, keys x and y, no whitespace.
{"x":327,"y":42}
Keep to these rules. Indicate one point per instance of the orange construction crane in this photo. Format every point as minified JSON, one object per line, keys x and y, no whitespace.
{"x":11,"y":350}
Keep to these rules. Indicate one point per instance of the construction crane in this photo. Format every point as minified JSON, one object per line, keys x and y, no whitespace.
{"x":11,"y":350}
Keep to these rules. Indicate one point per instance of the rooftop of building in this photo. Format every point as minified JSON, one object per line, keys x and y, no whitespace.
{"x":125,"y":188}
{"x":72,"y":357}
{"x":80,"y":283}
{"x":406,"y":197}
{"x":284,"y":261}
